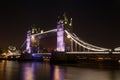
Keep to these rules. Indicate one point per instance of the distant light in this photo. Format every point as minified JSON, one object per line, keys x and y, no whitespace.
{"x":36,"y":55}
{"x":32,"y":37}
{"x":100,"y":58}
{"x":65,"y":22}
{"x":12,"y":48}
{"x":70,"y":24}
{"x":118,"y":61}
{"x":33,"y":31}
{"x":110,"y":50}
{"x":68,"y":36}
{"x":41,"y":31}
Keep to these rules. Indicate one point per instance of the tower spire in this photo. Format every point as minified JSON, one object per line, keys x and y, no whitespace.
{"x":65,"y":18}
{"x":70,"y":24}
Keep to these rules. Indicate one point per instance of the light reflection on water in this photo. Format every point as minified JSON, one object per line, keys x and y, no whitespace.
{"x":13,"y":70}
{"x":58,"y":73}
{"x":27,"y":72}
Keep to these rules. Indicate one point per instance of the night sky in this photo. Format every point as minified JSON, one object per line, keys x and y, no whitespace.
{"x":94,"y":21}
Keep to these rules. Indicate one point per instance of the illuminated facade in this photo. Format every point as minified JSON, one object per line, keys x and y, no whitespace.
{"x":44,"y":41}
{"x":60,"y":36}
{"x":28,"y":41}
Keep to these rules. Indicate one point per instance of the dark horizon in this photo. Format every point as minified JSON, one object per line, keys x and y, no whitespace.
{"x":96,"y":22}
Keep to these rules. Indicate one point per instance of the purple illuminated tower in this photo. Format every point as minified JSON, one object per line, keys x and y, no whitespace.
{"x":60,"y":36}
{"x":28,"y":41}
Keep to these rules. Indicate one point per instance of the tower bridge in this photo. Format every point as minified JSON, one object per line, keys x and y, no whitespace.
{"x":68,"y":43}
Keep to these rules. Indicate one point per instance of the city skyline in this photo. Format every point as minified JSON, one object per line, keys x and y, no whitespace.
{"x":96,"y":22}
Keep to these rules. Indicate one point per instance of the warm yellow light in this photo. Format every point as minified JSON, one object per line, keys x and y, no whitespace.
{"x":70,"y":24}
{"x":57,"y":49}
{"x":110,"y":50}
{"x":68,"y":36}
{"x":42,"y":31}
{"x":14,"y":48}
{"x":118,"y":61}
{"x":65,"y":22}
{"x":32,"y":30}
{"x":33,"y":38}
{"x":100,"y":58}
{"x":57,"y":73}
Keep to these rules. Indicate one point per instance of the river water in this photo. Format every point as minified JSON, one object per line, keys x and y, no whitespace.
{"x":14,"y":70}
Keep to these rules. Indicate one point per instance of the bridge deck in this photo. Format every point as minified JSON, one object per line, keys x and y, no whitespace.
{"x":78,"y":56}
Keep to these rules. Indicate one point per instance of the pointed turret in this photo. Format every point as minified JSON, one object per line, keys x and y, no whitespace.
{"x":65,"y":18}
{"x":67,"y":21}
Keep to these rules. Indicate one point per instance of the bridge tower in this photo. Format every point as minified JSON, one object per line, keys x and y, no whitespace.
{"x":28,"y":42}
{"x":67,"y":22}
{"x":63,"y":23}
{"x":68,"y":26}
{"x":60,"y":36}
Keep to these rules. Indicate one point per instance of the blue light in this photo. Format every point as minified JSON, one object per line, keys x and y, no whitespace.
{"x":36,"y":55}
